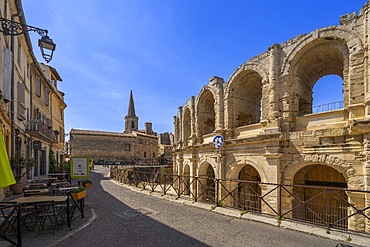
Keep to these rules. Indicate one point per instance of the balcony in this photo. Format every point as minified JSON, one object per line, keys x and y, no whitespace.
{"x":40,"y":130}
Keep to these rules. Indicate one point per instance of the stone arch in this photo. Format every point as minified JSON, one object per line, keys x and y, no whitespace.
{"x":203,"y":163}
{"x":186,"y":124}
{"x":244,"y":94}
{"x":206,"y":182}
{"x":348,"y":171}
{"x":186,"y":174}
{"x":317,"y":197}
{"x":336,"y":32}
{"x":205,"y":111}
{"x":326,"y":51}
{"x":235,"y":166}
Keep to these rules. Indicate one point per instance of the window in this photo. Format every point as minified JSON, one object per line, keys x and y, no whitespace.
{"x":144,"y":154}
{"x":153,"y":155}
{"x":127,"y":147}
{"x":133,"y":125}
{"x":38,"y":86}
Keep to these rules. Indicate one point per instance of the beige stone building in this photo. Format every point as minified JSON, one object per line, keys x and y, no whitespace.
{"x":132,"y":145}
{"x":272,"y":131}
{"x":37,"y":103}
{"x":165,"y":144}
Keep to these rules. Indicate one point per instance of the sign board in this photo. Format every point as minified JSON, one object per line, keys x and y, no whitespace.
{"x":218,"y":141}
{"x":36,"y":145}
{"x":79,"y":167}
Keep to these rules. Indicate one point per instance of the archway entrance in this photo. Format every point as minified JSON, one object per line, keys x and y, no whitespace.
{"x":249,"y":191}
{"x":186,"y":180}
{"x":320,"y":198}
{"x":206,"y":184}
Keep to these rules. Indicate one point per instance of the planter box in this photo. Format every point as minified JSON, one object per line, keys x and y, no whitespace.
{"x":87,"y":185}
{"x":79,"y":195}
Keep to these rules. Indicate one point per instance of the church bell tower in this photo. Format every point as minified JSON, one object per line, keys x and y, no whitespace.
{"x":131,"y":120}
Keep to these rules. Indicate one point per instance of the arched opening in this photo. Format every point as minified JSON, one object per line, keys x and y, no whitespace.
{"x":320,"y":196}
{"x":249,"y":191}
{"x":206,"y":113}
{"x":319,"y":62}
{"x":206,"y":183}
{"x":327,"y":94}
{"x":186,"y":180}
{"x":187,"y":125}
{"x":245,"y":99}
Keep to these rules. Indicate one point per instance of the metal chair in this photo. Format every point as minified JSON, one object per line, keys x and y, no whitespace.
{"x":48,"y":215}
{"x":8,"y":213}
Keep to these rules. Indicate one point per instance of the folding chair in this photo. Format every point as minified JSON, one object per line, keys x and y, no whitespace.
{"x":9,"y":212}
{"x":48,"y":215}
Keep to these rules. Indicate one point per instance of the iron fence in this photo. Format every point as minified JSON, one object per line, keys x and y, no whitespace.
{"x":329,"y":207}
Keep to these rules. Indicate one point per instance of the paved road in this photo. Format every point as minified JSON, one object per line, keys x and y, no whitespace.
{"x":114,"y":217}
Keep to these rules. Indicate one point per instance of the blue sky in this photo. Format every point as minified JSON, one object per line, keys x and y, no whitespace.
{"x":163,"y":50}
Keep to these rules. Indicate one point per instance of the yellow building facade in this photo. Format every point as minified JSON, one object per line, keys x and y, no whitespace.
{"x":37,"y":105}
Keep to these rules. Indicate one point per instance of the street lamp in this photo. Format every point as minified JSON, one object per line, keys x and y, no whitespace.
{"x":12,"y":28}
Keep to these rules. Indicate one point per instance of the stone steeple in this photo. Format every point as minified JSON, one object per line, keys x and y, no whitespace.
{"x":131,"y":120}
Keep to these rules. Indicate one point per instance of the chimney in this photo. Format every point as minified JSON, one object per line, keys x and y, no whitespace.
{"x":148,"y":128}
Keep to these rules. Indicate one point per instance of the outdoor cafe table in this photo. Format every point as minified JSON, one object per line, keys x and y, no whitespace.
{"x":35,"y":199}
{"x":48,"y":181}
{"x":35,"y":191}
{"x":66,"y":189}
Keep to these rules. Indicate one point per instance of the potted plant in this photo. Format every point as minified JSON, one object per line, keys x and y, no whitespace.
{"x":86,"y":183}
{"x":20,"y":166}
{"x":78,"y":193}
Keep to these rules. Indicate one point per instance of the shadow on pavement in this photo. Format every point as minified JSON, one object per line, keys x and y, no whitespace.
{"x":110,"y":222}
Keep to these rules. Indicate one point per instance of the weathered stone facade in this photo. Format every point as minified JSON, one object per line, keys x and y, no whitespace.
{"x":264,"y":112}
{"x":114,"y":146}
{"x":132,"y":145}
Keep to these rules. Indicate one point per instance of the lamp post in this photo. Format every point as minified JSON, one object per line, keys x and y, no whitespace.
{"x":47,"y":46}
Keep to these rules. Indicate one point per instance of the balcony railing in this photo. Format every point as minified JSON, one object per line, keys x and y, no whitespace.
{"x":328,"y":107}
{"x":39,"y":128}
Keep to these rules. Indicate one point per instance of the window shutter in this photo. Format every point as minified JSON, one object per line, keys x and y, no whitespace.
{"x":21,"y":106}
{"x":38,"y":86}
{"x":46,"y":96}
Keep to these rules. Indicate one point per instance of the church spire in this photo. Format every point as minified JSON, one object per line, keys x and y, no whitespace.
{"x":131,"y":120}
{"x":131,"y":106}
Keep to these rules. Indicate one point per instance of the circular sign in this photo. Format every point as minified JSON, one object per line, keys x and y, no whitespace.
{"x":218,"y":141}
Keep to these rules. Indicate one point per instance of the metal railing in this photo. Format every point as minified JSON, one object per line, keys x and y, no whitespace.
{"x":329,"y":207}
{"x":328,"y":107}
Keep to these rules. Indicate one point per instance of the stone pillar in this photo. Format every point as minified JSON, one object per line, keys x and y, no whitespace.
{"x":356,"y":222}
{"x":175,"y":129}
{"x":367,"y":177}
{"x":229,"y":201}
{"x":217,"y":83}
{"x":180,"y":134}
{"x":273,"y":79}
{"x":271,"y":199}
